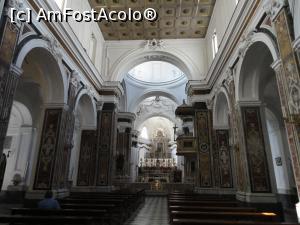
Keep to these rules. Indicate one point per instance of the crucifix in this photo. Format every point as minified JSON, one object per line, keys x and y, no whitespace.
{"x":175,"y":128}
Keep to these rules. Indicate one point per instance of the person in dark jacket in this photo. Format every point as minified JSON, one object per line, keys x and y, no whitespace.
{"x":48,"y":202}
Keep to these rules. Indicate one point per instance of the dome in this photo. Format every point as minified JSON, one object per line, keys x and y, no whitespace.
{"x":156,"y":72}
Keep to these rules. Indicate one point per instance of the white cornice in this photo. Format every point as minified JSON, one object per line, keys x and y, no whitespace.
{"x":127,"y":115}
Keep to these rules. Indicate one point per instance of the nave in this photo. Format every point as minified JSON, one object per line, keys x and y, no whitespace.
{"x":154,"y":211}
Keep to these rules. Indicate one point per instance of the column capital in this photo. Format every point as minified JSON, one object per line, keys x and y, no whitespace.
{"x":18,"y":5}
{"x":99,"y":106}
{"x":273,"y":7}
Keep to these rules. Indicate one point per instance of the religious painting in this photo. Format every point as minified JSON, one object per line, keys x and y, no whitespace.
{"x":255,"y":147}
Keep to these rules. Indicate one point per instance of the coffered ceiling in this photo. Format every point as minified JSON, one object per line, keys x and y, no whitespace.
{"x":176,"y":19}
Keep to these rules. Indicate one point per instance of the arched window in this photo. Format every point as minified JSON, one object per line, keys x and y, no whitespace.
{"x":144,"y":133}
{"x":93,"y":48}
{"x":214,"y":41}
{"x":61,"y":4}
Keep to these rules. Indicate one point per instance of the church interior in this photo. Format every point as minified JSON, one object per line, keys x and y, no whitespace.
{"x":190,"y":119}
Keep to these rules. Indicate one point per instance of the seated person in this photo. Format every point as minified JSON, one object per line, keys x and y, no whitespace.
{"x":48,"y":202}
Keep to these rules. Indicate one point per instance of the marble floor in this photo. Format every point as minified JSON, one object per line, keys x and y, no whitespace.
{"x":153,"y":212}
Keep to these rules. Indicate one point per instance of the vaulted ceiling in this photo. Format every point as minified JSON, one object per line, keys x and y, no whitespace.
{"x":176,"y":19}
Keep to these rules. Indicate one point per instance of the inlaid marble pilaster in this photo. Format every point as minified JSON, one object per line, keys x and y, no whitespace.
{"x":9,"y":75}
{"x":224,"y":159}
{"x":87,"y":159}
{"x":48,"y":149}
{"x":288,"y":79}
{"x":123,"y":153}
{"x":203,"y":133}
{"x":256,"y":152}
{"x":106,"y":144}
{"x":236,"y":129}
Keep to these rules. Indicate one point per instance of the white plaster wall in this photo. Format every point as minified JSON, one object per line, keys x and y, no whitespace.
{"x":276,"y":144}
{"x":295,"y":8}
{"x":19,"y":153}
{"x":84,"y":31}
{"x":220,"y":19}
{"x":1,"y":9}
{"x":192,"y":51}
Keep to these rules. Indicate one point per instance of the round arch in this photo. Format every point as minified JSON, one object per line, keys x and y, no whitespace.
{"x":257,"y":38}
{"x":166,"y":116}
{"x":151,"y":93}
{"x":136,"y":57}
{"x":54,"y":69}
{"x":85,"y":108}
{"x":221,"y":110}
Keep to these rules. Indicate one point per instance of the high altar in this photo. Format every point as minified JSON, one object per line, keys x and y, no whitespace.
{"x":159,"y":164}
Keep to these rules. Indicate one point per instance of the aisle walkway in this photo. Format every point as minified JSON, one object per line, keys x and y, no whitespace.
{"x":154,"y":212}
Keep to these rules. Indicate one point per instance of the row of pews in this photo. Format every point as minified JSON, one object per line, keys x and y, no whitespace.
{"x":196,"y":209}
{"x":81,"y":208}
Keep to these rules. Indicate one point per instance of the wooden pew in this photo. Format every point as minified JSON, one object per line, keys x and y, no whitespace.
{"x":43,"y":220}
{"x":99,"y":216}
{"x":232,"y":216}
{"x":223,"y":222}
{"x":203,"y":203}
{"x":211,"y":208}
